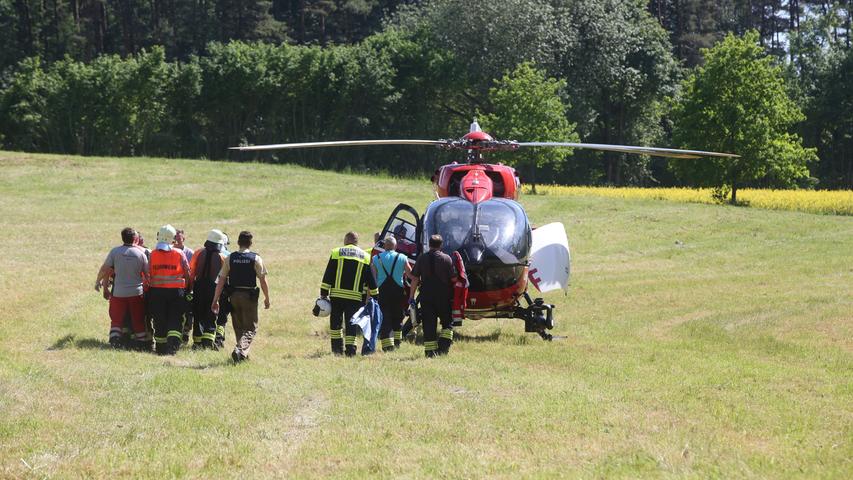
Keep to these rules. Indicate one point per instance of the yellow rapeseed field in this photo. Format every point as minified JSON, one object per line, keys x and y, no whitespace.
{"x":811,"y":201}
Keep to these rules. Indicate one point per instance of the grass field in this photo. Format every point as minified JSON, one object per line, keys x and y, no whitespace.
{"x":701,"y":341}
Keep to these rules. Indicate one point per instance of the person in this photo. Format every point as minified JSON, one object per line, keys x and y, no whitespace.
{"x":204,"y":270}
{"x":243,"y":271}
{"x":128,"y":266}
{"x":180,"y":238}
{"x":460,"y":290}
{"x":434,"y":274}
{"x":389,"y":268}
{"x":404,"y":246}
{"x":140,"y":243}
{"x":344,"y":283}
{"x":170,"y":279}
{"x":224,"y":304}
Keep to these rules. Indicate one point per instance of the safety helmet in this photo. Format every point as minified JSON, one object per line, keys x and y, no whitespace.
{"x":322,"y":307}
{"x":166,"y":234}
{"x":216,"y":236}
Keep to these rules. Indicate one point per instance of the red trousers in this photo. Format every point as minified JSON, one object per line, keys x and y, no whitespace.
{"x":119,"y":307}
{"x":460,"y":297}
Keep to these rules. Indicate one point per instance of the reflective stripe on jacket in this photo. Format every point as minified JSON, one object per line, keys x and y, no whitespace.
{"x":348,"y":274}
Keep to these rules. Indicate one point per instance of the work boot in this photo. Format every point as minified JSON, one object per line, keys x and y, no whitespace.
{"x":238,"y":356}
{"x":208,"y":344}
{"x":445,"y":339}
{"x":219,"y":341}
{"x":350,"y":350}
{"x":338,"y":346}
{"x":141,"y":346}
{"x":161,"y":349}
{"x":430,"y":353}
{"x":444,"y":346}
{"x":116,"y":343}
{"x":173,"y":344}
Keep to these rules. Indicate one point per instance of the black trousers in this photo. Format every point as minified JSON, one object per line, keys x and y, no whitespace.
{"x":204,"y":321}
{"x":167,"y":307}
{"x":342,"y":311}
{"x":434,"y":309}
{"x":391,"y":302}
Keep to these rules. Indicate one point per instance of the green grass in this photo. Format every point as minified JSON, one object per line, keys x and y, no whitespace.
{"x":701,"y":341}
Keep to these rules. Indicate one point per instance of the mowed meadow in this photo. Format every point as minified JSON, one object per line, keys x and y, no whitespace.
{"x":699,"y":341}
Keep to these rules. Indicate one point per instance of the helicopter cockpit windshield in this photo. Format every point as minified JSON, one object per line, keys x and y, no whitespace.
{"x":496,"y":229}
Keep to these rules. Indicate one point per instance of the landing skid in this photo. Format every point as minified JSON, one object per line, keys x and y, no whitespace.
{"x":538,"y":317}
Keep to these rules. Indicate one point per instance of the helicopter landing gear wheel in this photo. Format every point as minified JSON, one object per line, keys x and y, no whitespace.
{"x":538,"y":317}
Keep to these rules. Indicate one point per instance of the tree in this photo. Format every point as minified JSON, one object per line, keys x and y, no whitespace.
{"x":526,"y":106}
{"x":737,"y":102}
{"x":830,"y":121}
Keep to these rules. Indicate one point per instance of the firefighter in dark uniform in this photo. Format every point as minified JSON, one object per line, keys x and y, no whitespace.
{"x":434,"y":273}
{"x":204,"y":269}
{"x":345,"y":282}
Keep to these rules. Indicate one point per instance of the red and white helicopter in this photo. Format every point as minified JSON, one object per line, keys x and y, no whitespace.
{"x":477,"y":214}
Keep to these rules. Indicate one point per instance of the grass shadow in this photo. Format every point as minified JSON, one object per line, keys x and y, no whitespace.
{"x":92,"y":344}
{"x":224,"y":362}
{"x":62,"y":343}
{"x":492,"y":337}
{"x":70,"y":340}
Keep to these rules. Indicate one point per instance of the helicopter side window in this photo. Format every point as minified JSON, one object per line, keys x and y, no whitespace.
{"x":404,"y":232}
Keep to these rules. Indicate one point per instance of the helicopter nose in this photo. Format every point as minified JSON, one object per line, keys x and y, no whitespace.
{"x":473,"y":253}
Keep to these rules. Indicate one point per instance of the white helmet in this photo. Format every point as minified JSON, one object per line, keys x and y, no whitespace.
{"x":322,"y":307}
{"x":166,"y":234}
{"x":216,"y":236}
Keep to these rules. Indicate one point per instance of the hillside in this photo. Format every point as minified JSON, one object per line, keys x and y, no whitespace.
{"x":700,"y":341}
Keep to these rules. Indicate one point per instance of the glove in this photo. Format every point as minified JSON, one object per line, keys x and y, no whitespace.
{"x":316,"y":310}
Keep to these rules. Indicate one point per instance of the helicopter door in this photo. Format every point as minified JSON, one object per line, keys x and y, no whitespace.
{"x":404,"y":224}
{"x":550,"y":259}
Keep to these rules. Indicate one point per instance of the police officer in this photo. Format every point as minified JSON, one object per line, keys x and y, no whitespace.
{"x":434,"y":273}
{"x":346,"y":279}
{"x":243,"y":270}
{"x":389,"y":268}
{"x":169,"y":276}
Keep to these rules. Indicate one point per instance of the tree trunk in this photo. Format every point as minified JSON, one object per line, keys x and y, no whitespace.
{"x":734,"y":189}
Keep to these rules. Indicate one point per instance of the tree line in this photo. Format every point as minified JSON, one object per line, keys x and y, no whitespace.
{"x":190,"y":79}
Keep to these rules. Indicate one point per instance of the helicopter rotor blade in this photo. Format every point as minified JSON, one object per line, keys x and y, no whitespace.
{"x":349,"y":143}
{"x":657,"y":152}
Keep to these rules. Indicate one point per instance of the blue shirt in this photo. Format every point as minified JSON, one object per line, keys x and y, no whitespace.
{"x":386,"y":259}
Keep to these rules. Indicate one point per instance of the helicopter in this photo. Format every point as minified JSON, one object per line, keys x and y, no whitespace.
{"x":477,"y":213}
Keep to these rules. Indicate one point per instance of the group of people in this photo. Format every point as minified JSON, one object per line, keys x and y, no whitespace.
{"x":348,"y":283}
{"x":161,"y":294}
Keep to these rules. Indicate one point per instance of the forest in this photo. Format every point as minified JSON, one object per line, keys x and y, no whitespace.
{"x":771,"y":80}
